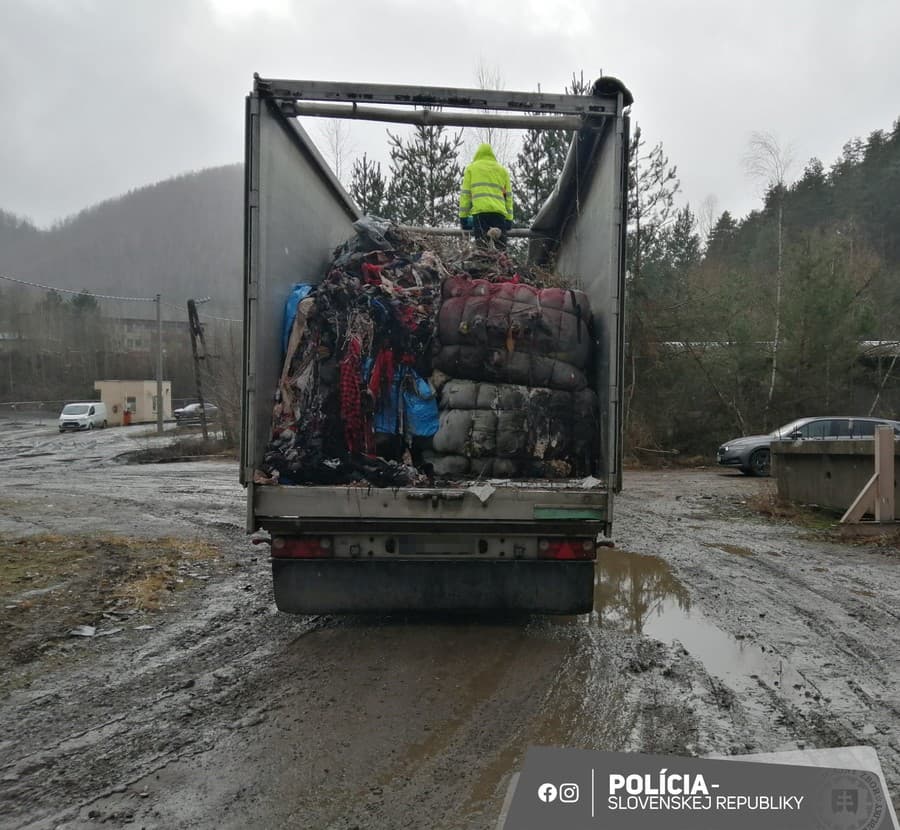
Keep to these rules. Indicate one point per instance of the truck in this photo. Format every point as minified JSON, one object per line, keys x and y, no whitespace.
{"x":522,"y":546}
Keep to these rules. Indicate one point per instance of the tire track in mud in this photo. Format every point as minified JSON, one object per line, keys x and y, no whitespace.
{"x":171,"y":694}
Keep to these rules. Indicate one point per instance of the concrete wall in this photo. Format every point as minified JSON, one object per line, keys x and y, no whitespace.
{"x":136,"y":395}
{"x":829,"y":474}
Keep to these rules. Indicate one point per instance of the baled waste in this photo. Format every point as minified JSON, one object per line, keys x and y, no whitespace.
{"x":402,"y":366}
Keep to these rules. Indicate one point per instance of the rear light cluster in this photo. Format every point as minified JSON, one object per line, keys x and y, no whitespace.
{"x":291,"y":547}
{"x":566,"y":549}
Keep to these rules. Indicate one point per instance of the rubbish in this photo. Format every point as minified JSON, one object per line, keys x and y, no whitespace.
{"x":144,"y":627}
{"x":400,"y":366}
{"x":299,"y":291}
{"x":482,"y":492}
{"x":107,"y":632}
{"x":83,"y":631}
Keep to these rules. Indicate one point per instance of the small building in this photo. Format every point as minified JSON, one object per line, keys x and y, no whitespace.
{"x":135,"y":396}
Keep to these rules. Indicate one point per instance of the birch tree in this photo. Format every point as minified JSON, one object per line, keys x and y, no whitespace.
{"x":768,"y":162}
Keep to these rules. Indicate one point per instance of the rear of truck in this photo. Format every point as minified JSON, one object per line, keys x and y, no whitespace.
{"x":466,"y":546}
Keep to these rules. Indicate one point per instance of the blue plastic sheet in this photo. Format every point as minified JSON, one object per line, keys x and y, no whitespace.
{"x":420,"y":407}
{"x":299,"y":291}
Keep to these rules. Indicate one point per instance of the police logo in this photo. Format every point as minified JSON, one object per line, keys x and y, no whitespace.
{"x":851,"y":800}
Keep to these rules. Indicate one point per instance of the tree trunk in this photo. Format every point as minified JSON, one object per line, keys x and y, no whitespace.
{"x":779,"y":279}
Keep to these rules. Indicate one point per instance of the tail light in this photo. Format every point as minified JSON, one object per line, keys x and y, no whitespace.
{"x":566,"y":549}
{"x":289,"y":547}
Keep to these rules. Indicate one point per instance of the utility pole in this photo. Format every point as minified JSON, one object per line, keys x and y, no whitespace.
{"x":159,"y":367}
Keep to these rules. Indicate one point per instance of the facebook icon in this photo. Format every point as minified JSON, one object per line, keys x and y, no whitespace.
{"x":547,"y":793}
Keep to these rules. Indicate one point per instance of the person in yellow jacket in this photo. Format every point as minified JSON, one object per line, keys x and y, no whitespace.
{"x":485,"y":200}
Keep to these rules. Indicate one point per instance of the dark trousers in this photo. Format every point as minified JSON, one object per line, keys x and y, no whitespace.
{"x":482,"y":222}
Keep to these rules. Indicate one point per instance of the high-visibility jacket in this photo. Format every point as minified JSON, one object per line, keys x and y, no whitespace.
{"x":485,"y":187}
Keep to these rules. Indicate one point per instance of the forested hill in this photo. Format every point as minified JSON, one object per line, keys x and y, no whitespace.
{"x":783,"y":314}
{"x":181,"y":238}
{"x":858,"y":198}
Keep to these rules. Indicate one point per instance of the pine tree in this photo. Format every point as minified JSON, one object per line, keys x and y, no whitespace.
{"x":425,"y":176}
{"x":368,"y":186}
{"x":530,"y":175}
{"x":721,"y":237}
{"x":652,"y":185}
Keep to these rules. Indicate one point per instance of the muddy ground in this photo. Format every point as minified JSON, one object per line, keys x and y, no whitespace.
{"x":195,"y":704}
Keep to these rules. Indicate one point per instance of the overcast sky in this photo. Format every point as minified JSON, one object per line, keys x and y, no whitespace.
{"x":101,"y":96}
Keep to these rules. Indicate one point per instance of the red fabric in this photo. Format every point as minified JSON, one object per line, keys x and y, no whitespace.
{"x":382,"y":374}
{"x":358,"y":433}
{"x":371,"y":273}
{"x":406,"y":316}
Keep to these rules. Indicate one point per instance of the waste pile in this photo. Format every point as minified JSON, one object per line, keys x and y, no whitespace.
{"x":402,"y":366}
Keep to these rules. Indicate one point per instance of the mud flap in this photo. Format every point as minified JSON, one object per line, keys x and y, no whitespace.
{"x":335,"y":586}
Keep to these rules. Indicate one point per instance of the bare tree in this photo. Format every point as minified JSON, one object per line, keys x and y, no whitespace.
{"x":707,"y":216}
{"x":768,"y":162}
{"x":501,"y":139}
{"x":339,"y":144}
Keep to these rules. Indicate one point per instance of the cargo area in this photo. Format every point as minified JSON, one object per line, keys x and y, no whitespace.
{"x":511,"y":360}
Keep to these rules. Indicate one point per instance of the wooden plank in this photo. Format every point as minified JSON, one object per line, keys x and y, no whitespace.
{"x":864,"y":502}
{"x":884,"y":472}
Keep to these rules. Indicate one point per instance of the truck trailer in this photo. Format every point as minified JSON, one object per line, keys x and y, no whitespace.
{"x":484,"y":545}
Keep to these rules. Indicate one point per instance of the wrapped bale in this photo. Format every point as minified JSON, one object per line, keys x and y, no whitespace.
{"x":501,"y":365}
{"x":552,"y":322}
{"x":506,"y":430}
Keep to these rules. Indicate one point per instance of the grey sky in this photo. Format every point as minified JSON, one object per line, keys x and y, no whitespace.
{"x":101,"y":96}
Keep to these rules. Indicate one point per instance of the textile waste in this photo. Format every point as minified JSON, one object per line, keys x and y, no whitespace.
{"x":402,"y":367}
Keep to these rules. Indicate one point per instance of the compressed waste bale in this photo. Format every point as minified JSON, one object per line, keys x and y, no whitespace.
{"x":459,"y":466}
{"x":398,"y":368}
{"x":530,"y":428}
{"x":484,"y":363}
{"x":552,"y":322}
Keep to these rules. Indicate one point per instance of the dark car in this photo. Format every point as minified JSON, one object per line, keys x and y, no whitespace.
{"x":751,"y":454}
{"x":190,"y":414}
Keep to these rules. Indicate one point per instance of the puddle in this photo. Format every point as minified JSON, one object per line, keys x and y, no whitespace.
{"x":641,"y":594}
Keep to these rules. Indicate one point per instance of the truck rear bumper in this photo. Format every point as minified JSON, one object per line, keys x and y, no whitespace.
{"x":317,"y":586}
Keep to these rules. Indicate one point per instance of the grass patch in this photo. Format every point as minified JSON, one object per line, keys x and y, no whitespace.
{"x":188,"y":448}
{"x":51,"y":583}
{"x":768,"y":504}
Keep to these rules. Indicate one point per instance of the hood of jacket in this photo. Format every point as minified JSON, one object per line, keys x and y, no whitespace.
{"x":484,"y":152}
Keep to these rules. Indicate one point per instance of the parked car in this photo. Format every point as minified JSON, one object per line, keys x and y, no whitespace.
{"x":752,"y":453}
{"x":84,"y":415}
{"x":190,"y":414}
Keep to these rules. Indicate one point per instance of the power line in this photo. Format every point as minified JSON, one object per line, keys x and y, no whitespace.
{"x":109,"y":297}
{"x":209,"y":316}
{"x":72,"y":291}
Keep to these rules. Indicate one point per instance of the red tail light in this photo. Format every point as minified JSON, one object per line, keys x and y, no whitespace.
{"x":287,"y":547}
{"x":567,"y":549}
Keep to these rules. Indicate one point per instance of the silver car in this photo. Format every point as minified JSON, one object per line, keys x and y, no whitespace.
{"x":752,"y":456}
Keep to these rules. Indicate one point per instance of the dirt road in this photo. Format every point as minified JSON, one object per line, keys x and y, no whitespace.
{"x":716,"y":631}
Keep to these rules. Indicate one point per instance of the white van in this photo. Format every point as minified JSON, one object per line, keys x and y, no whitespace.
{"x":85,"y":415}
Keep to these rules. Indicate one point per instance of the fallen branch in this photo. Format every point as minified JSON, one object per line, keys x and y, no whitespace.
{"x":659,"y":452}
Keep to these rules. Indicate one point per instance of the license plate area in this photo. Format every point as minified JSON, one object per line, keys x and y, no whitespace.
{"x":433,"y":546}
